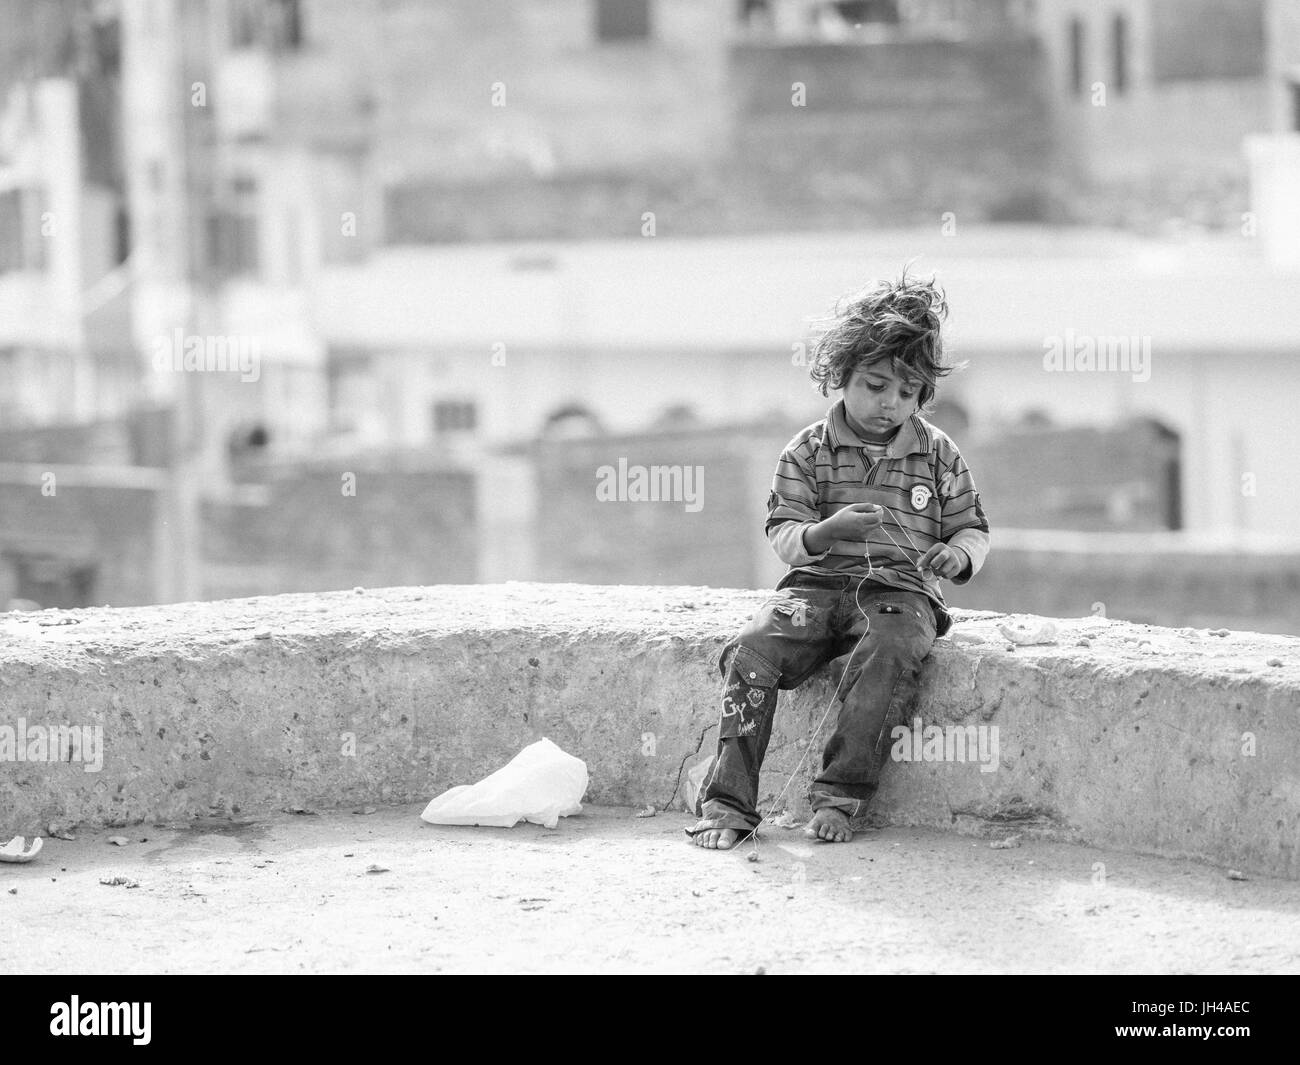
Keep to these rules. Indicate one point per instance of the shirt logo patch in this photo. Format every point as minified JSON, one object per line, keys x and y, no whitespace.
{"x":920,"y":496}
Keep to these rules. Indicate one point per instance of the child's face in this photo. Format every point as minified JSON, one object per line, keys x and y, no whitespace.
{"x":879,"y":398}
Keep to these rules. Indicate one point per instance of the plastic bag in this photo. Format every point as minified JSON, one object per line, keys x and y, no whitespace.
{"x":694,"y":784}
{"x":540,"y":784}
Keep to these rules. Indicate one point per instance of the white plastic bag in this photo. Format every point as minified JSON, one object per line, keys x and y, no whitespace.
{"x":540,"y":784}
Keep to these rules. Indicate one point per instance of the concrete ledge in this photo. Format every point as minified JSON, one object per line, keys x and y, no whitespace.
{"x":390,"y":696}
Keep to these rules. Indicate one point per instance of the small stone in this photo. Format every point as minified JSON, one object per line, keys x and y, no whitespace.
{"x":375,"y":869}
{"x":1237,"y":874}
{"x":118,"y":841}
{"x":13,"y":891}
{"x":1005,"y":844}
{"x":753,"y":856}
{"x":1275,"y":661}
{"x":358,"y":590}
{"x":646,"y":811}
{"x":262,"y":634}
{"x":1083,"y":643}
{"x":1009,"y":647}
{"x":1218,"y":632}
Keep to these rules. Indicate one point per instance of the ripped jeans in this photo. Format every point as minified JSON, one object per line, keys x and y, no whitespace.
{"x":812,"y":619}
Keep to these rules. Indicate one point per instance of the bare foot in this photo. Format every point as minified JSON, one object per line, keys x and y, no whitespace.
{"x":716,"y":839}
{"x":829,"y":824}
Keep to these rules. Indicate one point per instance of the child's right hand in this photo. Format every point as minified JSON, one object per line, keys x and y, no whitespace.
{"x":854,"y":522}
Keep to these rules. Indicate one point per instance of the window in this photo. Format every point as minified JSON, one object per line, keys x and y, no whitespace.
{"x":622,"y":20}
{"x":1076,"y":57}
{"x":453,"y":416}
{"x":233,"y":231}
{"x":1119,"y":54}
{"x":22,"y":246}
{"x":265,"y":24}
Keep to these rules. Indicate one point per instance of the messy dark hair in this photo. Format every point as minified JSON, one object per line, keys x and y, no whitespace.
{"x":895,"y":320}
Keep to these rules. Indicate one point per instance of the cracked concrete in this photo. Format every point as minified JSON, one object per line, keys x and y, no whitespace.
{"x":1184,"y":743}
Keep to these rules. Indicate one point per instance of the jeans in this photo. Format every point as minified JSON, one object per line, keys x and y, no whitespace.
{"x":812,"y":619}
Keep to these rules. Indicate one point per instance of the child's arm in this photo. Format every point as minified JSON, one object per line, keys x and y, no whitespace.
{"x":964,"y":527}
{"x":792,"y":506}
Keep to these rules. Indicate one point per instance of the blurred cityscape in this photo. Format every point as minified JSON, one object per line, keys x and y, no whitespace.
{"x":300,"y":295}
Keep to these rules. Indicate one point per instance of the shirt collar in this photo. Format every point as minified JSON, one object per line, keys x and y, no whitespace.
{"x":910,"y":438}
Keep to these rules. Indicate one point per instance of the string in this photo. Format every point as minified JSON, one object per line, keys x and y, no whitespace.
{"x":871,"y":569}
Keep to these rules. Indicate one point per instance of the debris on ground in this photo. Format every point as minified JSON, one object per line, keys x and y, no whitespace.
{"x":365,"y":810}
{"x":540,"y":784}
{"x":301,"y":811}
{"x":646,"y":811}
{"x":1275,"y":661}
{"x":118,"y":841}
{"x":119,"y":881}
{"x":377,"y":869}
{"x":1237,"y":874}
{"x":1005,"y":844}
{"x":785,"y":820}
{"x":1025,"y":633}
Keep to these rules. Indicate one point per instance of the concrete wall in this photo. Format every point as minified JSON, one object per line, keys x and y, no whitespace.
{"x":1146,"y":579}
{"x":400,"y":527}
{"x":106,"y":529}
{"x":1178,"y":743}
{"x":901,"y":131}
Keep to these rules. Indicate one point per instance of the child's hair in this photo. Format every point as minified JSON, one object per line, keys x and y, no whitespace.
{"x":896,"y":320}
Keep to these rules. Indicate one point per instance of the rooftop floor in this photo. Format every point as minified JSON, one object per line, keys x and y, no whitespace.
{"x":608,"y":892}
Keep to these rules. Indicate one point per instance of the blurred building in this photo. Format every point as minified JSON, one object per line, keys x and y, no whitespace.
{"x":417,"y":237}
{"x":1151,"y":100}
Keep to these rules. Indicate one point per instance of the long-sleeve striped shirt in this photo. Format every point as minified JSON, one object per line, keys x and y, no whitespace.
{"x":922,"y":479}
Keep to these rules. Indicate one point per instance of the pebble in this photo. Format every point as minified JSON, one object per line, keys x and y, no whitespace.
{"x":1083,"y":643}
{"x":262,"y":634}
{"x":118,"y":841}
{"x":1218,"y":632}
{"x":1275,"y":661}
{"x":359,"y":590}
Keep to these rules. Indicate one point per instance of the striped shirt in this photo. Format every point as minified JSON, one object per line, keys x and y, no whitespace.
{"x":920,"y":477}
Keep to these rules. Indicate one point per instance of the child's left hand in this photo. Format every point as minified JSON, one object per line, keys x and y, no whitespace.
{"x":942,"y":561}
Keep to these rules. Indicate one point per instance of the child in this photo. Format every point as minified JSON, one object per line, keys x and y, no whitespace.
{"x":870,"y":507}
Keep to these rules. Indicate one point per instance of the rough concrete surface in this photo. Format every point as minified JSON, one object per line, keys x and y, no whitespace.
{"x":1183,"y":743}
{"x":607,"y":892}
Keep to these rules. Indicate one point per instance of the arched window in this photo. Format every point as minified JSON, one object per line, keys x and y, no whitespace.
{"x":570,"y":421}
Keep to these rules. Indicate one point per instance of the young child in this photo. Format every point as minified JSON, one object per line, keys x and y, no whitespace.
{"x":870,"y":507}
